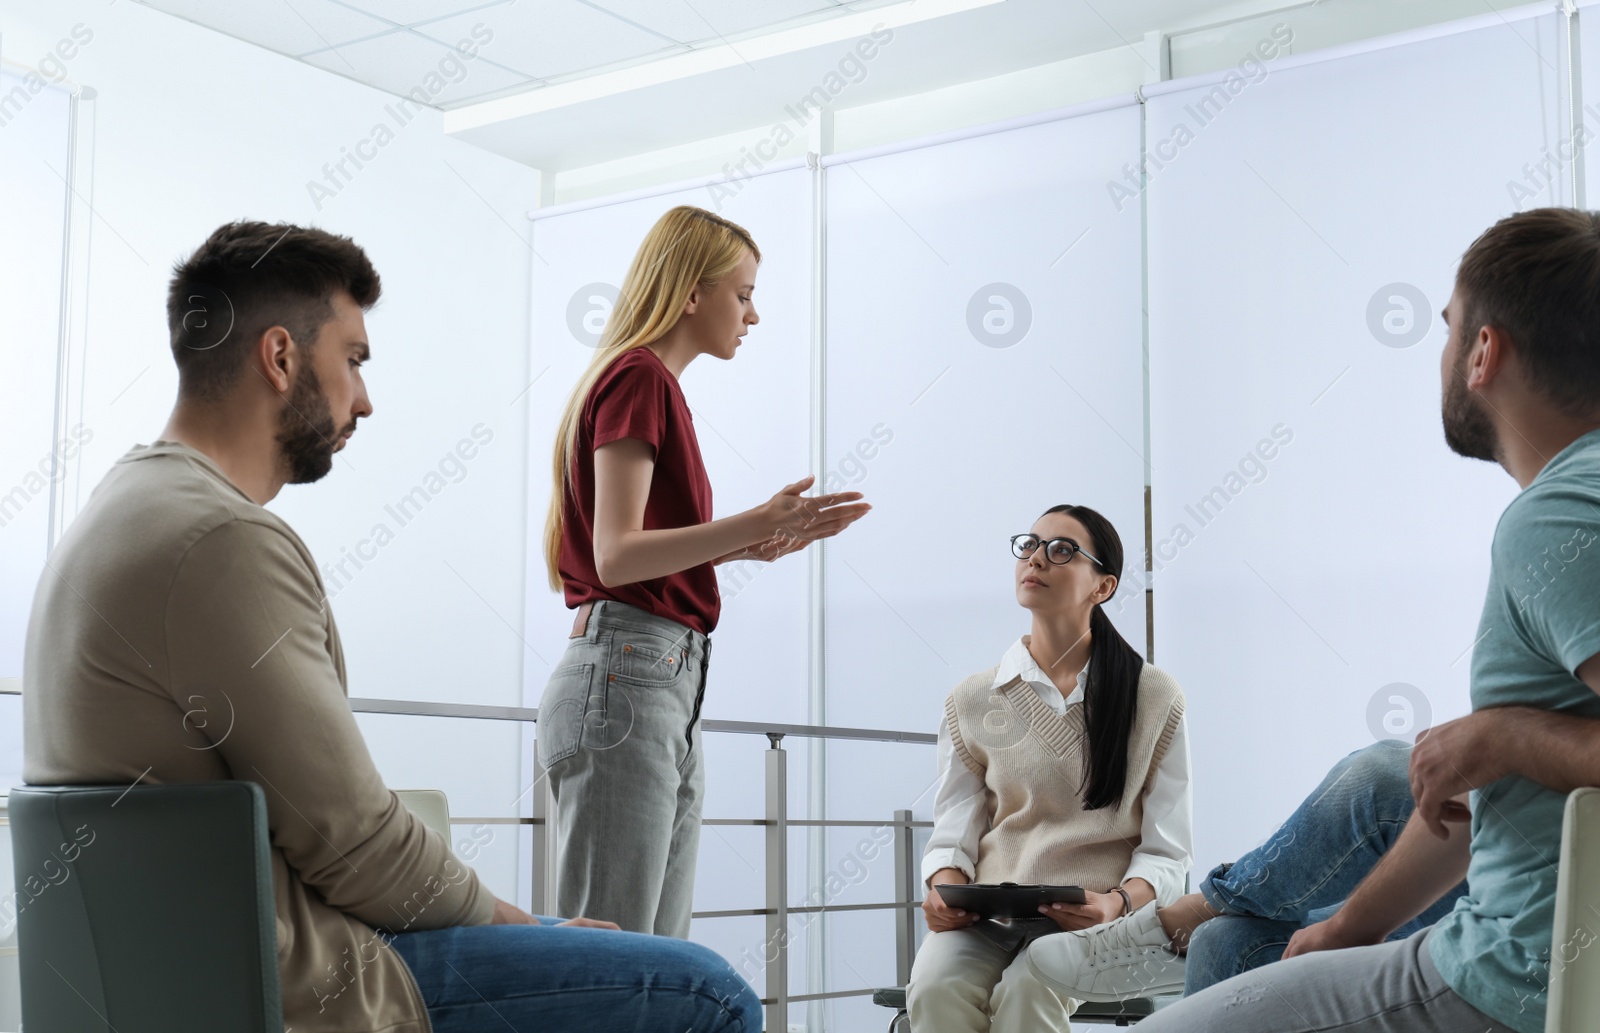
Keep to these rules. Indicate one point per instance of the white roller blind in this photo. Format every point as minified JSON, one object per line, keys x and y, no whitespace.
{"x":1585,"y":151}
{"x":984,"y":364}
{"x":1321,"y":554}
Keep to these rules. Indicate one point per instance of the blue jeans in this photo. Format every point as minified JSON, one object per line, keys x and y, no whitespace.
{"x":619,"y":736}
{"x":1307,"y":868}
{"x":541,"y":978}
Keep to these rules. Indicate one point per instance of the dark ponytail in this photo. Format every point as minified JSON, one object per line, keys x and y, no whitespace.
{"x":1111,"y":697}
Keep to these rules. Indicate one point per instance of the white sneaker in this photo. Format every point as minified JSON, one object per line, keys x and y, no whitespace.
{"x":1128,"y":957}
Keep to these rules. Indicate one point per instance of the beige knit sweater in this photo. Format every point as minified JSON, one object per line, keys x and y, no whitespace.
{"x":1031,"y":763}
{"x":181,"y":634}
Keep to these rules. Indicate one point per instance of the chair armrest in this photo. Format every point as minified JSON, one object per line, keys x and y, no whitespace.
{"x":431,"y":806}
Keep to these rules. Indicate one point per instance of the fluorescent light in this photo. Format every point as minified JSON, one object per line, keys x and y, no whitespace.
{"x":699,"y":62}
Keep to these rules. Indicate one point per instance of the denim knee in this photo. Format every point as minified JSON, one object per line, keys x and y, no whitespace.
{"x":1353,"y":816}
{"x":1384,"y":768}
{"x":1224,"y":947}
{"x":738,"y":1007}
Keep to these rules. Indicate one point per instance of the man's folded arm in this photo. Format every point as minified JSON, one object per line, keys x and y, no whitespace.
{"x":247,"y":633}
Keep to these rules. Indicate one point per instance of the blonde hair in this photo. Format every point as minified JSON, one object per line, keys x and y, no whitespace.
{"x":688,"y":247}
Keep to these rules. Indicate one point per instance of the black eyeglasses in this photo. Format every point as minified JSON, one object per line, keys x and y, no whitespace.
{"x":1056,"y":550}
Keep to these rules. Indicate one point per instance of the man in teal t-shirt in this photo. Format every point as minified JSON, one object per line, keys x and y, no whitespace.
{"x":1521,"y":387}
{"x":1541,"y":622}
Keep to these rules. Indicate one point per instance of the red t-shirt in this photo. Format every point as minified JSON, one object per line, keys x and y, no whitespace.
{"x":638,"y":397}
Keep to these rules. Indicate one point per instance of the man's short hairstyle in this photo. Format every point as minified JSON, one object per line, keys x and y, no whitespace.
{"x":247,"y":278}
{"x":1535,"y":276}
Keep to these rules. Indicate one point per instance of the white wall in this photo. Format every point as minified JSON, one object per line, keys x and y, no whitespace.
{"x":1589,"y":62}
{"x":193,"y":129}
{"x":34,"y":146}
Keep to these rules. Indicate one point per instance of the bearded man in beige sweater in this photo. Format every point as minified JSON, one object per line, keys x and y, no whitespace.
{"x":175,"y":591}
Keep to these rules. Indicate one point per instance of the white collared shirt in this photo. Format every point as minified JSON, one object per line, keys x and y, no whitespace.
{"x":961,"y":813}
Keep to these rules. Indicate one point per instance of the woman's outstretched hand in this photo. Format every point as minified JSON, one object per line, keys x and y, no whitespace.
{"x":798,"y":516}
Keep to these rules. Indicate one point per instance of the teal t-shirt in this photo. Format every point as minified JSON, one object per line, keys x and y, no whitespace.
{"x":1541,"y":619}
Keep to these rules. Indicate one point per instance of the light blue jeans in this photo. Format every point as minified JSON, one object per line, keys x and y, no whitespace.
{"x":1308,"y":867}
{"x":539,"y":978}
{"x":619,"y":737}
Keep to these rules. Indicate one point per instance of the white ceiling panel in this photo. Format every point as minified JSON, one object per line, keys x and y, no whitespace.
{"x":410,"y":12}
{"x":402,"y":61}
{"x":692,"y":21}
{"x":547,"y":89}
{"x":287,"y":26}
{"x":549,"y":38}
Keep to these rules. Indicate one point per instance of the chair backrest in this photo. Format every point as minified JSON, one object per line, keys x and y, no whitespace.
{"x":431,"y":806}
{"x":1574,"y":996}
{"x":145,"y":910}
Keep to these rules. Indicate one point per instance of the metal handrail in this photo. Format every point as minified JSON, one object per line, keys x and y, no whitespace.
{"x":820,"y":823}
{"x":776,"y":823}
{"x":530,"y":715}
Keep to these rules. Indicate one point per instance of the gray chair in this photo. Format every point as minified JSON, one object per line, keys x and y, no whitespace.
{"x":145,"y":910}
{"x":178,"y":881}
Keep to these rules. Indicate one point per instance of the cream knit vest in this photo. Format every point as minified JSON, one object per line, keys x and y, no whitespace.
{"x":1031,"y":763}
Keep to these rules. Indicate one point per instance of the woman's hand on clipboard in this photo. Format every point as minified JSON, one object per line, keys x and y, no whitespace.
{"x":1097,"y":909}
{"x":941,"y":917}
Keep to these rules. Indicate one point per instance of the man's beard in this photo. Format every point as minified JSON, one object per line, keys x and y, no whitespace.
{"x":306,"y":434}
{"x":1467,"y":428}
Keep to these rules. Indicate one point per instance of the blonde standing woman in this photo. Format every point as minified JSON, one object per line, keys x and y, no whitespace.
{"x":631,"y":543}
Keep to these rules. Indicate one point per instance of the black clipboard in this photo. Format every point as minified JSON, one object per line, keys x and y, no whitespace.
{"x":1007,"y":900}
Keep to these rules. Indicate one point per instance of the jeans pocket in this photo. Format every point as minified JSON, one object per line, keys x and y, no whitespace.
{"x":644,"y":658}
{"x":562,"y":711}
{"x":609,"y":716}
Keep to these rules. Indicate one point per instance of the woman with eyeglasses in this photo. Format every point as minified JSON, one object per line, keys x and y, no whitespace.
{"x":1065,"y":764}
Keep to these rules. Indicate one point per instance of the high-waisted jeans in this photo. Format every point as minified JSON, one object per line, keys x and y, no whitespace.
{"x":1308,"y":867}
{"x":619,"y":735}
